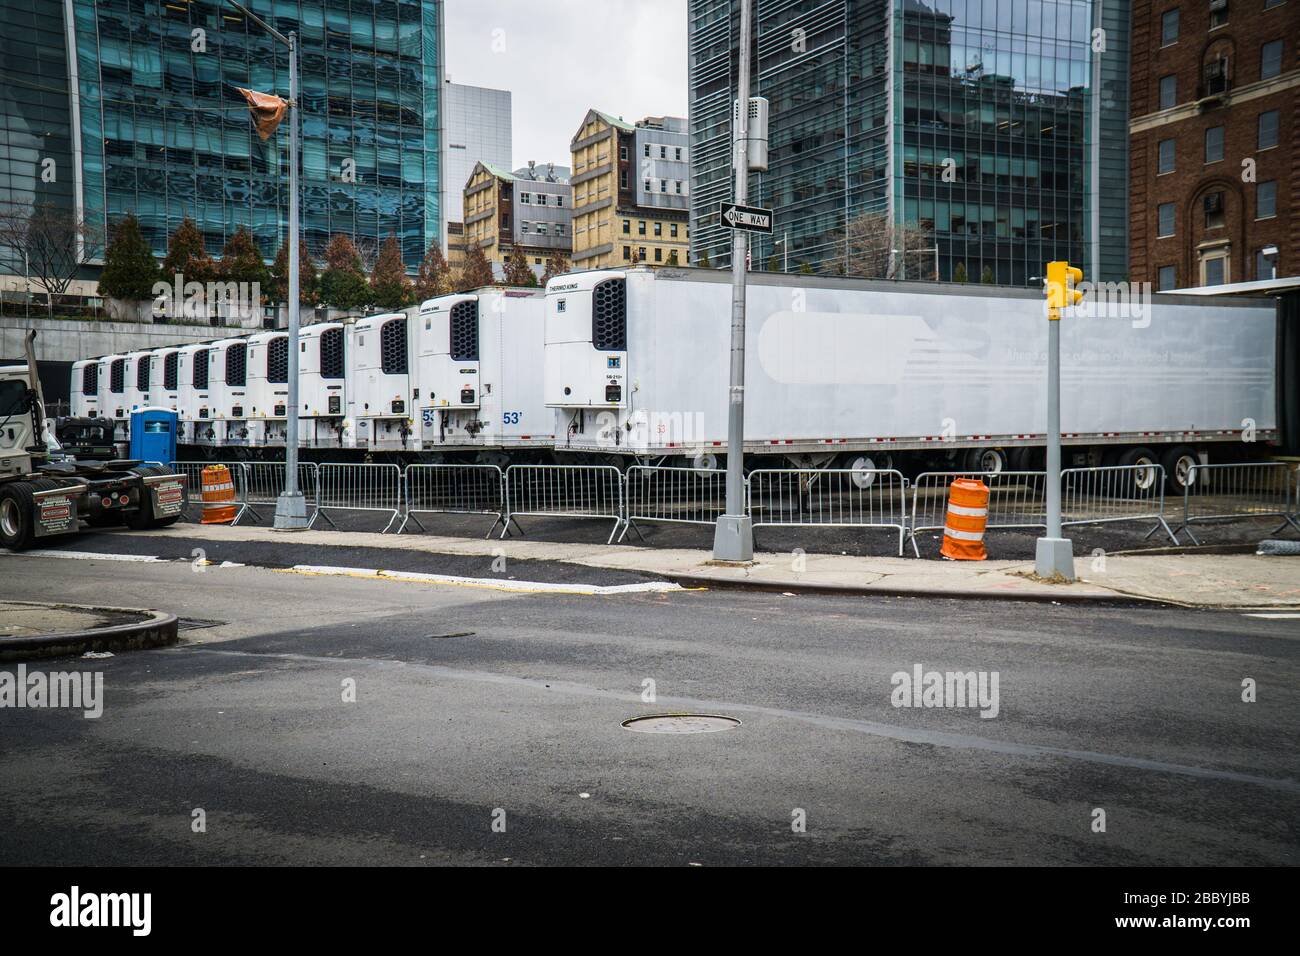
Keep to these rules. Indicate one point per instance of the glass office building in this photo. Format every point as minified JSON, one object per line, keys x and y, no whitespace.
{"x":164,"y":134}
{"x":973,"y":119}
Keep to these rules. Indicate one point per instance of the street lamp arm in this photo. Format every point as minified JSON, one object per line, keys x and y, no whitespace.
{"x":260,"y":22}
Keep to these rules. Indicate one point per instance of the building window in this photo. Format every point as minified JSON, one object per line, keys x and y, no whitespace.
{"x":647,"y":185}
{"x":627,"y":253}
{"x":559,"y":201}
{"x":523,"y":226}
{"x":659,"y":229}
{"x":1168,"y":91}
{"x":679,"y":154}
{"x":1169,"y":27}
{"x":663,"y":152}
{"x":663,"y":185}
{"x":1266,"y":263}
{"x":627,"y":227}
{"x":541,"y":199}
{"x":672,"y":230}
{"x":1214,"y":144}
{"x":1270,"y":4}
{"x":1218,"y":13}
{"x":679,"y":187}
{"x":1213,"y":206}
{"x":622,"y":153}
{"x":1268,"y":127}
{"x":541,"y":228}
{"x":525,"y":198}
{"x":1215,"y":268}
{"x":1165,"y":220}
{"x":1216,"y":76}
{"x":1266,"y":200}
{"x":559,"y":228}
{"x":1167,"y":279}
{"x":640,"y":227}
{"x":659,"y":255}
{"x":1270,"y":59}
{"x":1166,"y":156}
{"x":647,"y":149}
{"x":642,"y":253}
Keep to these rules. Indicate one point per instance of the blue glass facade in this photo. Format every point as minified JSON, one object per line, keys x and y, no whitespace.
{"x":970,"y":118}
{"x":165,"y":134}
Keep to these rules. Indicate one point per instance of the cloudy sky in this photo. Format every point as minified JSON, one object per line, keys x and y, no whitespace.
{"x":560,"y":58}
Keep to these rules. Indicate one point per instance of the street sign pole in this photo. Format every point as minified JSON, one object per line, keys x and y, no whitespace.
{"x":733,"y":537}
{"x":1053,"y":553}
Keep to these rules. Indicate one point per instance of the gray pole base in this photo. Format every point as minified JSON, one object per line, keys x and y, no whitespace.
{"x":1054,"y":556}
{"x":733,"y":538}
{"x":291,"y":512}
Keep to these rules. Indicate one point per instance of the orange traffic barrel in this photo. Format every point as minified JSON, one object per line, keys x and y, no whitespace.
{"x":218,"y":495}
{"x":968,"y":513}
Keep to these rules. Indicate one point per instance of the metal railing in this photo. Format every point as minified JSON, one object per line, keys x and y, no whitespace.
{"x":564,"y":491}
{"x":1017,"y":499}
{"x":453,"y":489}
{"x":348,"y":487}
{"x":193,"y":472}
{"x":1237,"y":491}
{"x":829,"y":497}
{"x":1114,"y":493}
{"x":673,"y":494}
{"x":265,"y":482}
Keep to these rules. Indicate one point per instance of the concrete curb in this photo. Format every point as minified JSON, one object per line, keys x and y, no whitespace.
{"x":978,"y":594}
{"x":158,"y":629}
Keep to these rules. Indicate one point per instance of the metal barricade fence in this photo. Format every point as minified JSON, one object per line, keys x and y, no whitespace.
{"x":1114,"y":493}
{"x":193,"y":472}
{"x":674,"y":494}
{"x":453,"y":489}
{"x":564,"y":491}
{"x":1240,"y":490}
{"x":368,"y":487}
{"x":266,"y":482}
{"x":1017,"y":499}
{"x":829,"y":497}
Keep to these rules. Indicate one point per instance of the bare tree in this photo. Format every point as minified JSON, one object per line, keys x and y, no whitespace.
{"x":52,"y":243}
{"x":876,"y":248}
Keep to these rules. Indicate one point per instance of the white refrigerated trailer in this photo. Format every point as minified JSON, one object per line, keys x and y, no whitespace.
{"x":267,"y":389}
{"x":478,"y":381}
{"x":378,"y":384}
{"x":869,"y":373}
{"x":322,"y":368}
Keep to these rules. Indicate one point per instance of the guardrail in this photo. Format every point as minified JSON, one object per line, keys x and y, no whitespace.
{"x":453,"y":489}
{"x":265,"y":483}
{"x":829,"y":497}
{"x":673,"y":494}
{"x":368,"y":487}
{"x":1017,"y":499}
{"x":564,"y":491}
{"x":1114,"y":493}
{"x":1236,"y":491}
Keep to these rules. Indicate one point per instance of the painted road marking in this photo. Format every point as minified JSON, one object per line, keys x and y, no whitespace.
{"x":495,"y":584}
{"x":1275,"y":617}
{"x":90,"y":556}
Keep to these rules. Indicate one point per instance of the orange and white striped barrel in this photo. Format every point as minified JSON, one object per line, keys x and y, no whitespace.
{"x":218,"y":495}
{"x":968,"y":513}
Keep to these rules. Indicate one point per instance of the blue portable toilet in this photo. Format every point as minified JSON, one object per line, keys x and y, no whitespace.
{"x":153,"y":434}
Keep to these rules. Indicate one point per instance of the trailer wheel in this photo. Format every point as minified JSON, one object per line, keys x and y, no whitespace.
{"x":864,"y":467}
{"x":1178,"y":462}
{"x":1141,"y":480}
{"x":987,"y":461}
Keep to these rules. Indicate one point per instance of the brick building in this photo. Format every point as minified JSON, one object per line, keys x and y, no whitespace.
{"x":1214,"y":142}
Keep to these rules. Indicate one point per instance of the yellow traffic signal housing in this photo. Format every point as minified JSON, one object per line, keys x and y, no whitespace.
{"x":1062,"y":279}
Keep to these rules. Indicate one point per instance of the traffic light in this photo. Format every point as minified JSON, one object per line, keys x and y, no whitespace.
{"x":1062,"y":291}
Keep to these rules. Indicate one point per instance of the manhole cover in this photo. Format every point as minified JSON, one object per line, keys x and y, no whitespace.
{"x":680,"y":723}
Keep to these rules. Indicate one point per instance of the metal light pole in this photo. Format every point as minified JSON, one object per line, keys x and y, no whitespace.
{"x":733,"y":538}
{"x":290,"y":507}
{"x":1053,"y":553}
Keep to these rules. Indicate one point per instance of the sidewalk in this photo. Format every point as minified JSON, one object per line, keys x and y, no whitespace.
{"x":30,"y":630}
{"x":1196,"y":580}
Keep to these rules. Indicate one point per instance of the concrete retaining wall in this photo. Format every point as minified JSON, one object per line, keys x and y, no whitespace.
{"x":67,"y":340}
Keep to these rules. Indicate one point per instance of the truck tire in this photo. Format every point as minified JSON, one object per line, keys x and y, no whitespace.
{"x":1178,"y":462}
{"x":142,"y":518}
{"x":1139,"y":481}
{"x":16,"y":505}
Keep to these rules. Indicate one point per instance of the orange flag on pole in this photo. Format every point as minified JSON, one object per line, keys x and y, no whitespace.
{"x":268,"y":110}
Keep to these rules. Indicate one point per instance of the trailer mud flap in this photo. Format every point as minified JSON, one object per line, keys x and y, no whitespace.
{"x":55,"y":511}
{"x":168,"y":493}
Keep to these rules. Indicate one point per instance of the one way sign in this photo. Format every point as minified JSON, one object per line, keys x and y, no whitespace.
{"x":748,"y":218}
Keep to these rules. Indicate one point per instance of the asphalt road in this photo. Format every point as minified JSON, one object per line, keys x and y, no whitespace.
{"x":476,"y":706}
